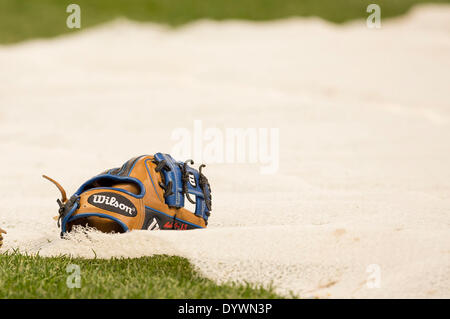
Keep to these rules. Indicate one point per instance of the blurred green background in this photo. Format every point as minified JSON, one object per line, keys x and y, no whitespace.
{"x":26,"y":19}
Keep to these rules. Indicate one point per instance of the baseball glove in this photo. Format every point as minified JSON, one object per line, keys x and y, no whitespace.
{"x":147,"y":192}
{"x":1,"y":237}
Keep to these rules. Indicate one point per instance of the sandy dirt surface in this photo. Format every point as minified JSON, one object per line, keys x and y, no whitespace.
{"x":362,"y":194}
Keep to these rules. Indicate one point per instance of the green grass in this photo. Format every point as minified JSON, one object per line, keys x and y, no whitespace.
{"x":27,"y":19}
{"x":154,"y":277}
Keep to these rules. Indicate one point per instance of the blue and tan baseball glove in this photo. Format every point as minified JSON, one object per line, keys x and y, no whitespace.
{"x":147,"y":192}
